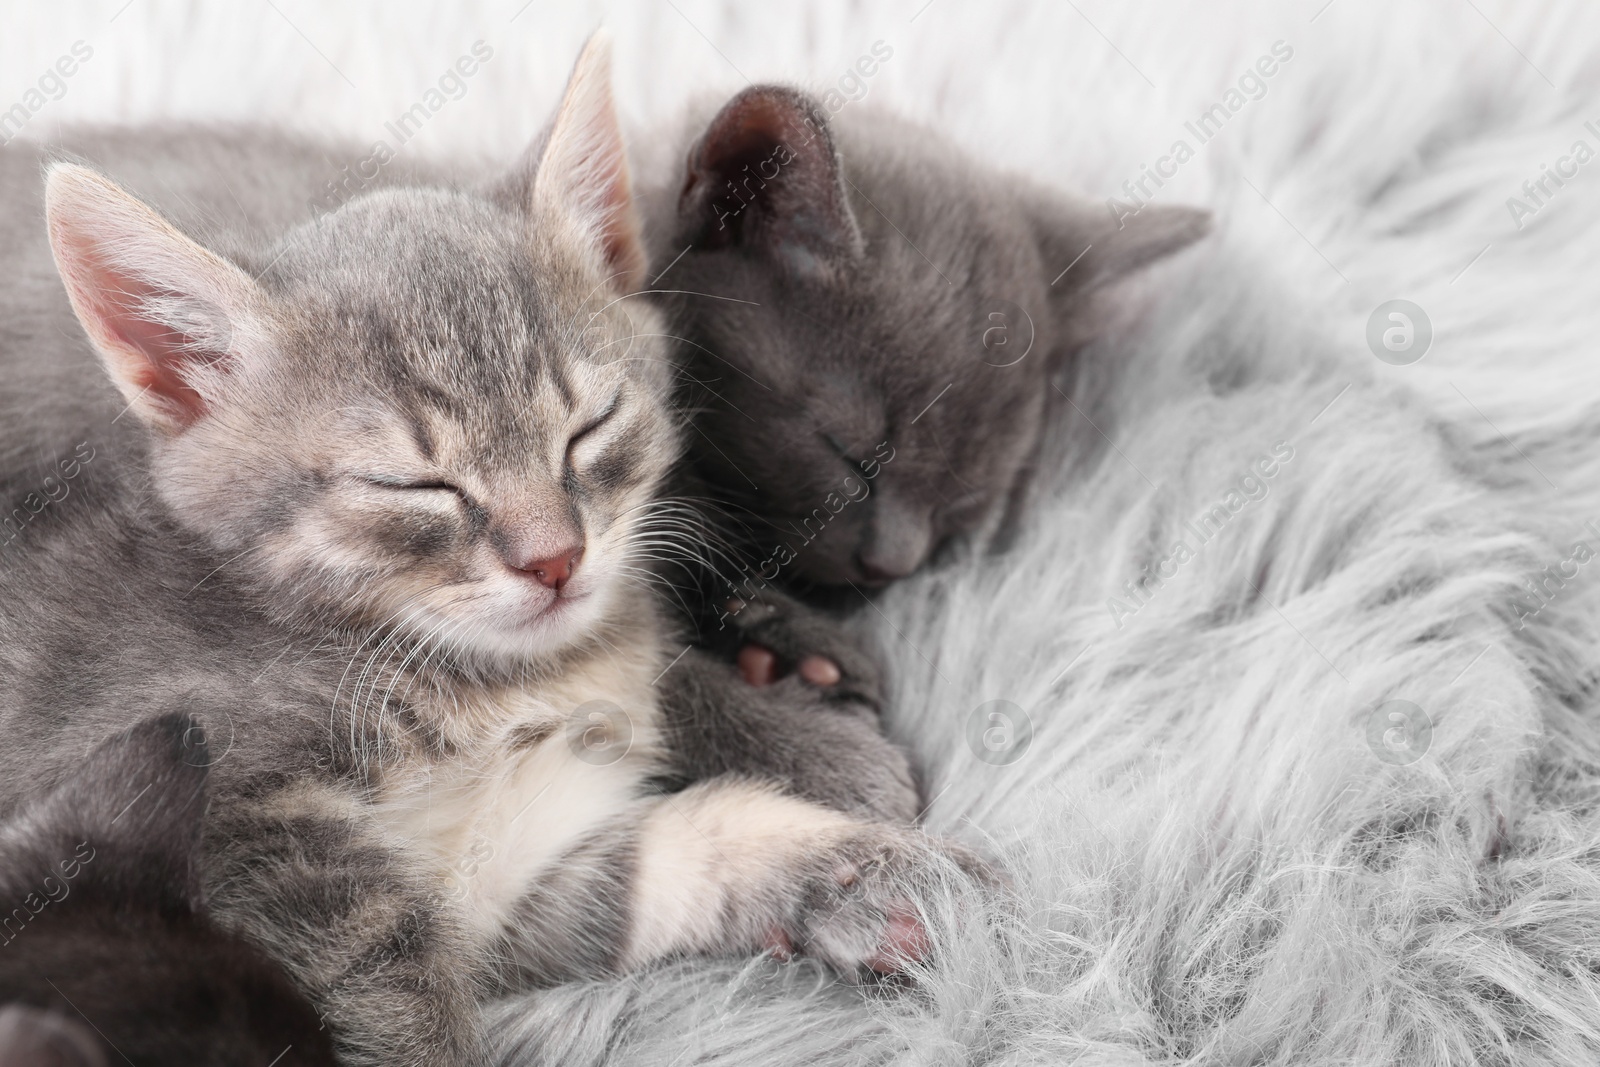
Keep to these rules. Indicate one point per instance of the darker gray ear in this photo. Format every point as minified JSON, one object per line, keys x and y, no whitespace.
{"x":128,"y":815}
{"x":1087,"y":246}
{"x":765,"y":177}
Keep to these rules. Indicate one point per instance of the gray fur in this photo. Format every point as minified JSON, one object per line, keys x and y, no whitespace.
{"x":241,"y":569}
{"x":835,"y":287}
{"x":824,"y":744}
{"x":103,"y":920}
{"x":113,"y":609}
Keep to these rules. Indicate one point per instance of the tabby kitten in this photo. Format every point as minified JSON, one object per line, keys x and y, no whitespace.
{"x":106,"y":949}
{"x":874,"y":324}
{"x":383,"y":532}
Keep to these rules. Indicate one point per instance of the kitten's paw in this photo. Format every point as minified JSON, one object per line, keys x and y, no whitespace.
{"x":855,"y":908}
{"x":779,"y":636}
{"x":759,"y":665}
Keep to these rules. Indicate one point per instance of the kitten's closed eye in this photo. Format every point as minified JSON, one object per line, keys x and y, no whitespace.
{"x":838,"y":447}
{"x":592,"y":425}
{"x":391,"y":481}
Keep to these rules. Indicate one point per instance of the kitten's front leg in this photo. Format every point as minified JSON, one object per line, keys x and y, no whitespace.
{"x":828,"y":751}
{"x":303,"y":876}
{"x":734,"y":866}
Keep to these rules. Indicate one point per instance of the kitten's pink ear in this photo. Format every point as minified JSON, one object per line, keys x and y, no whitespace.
{"x":766,"y":176}
{"x":164,"y":313}
{"x":584,"y":167}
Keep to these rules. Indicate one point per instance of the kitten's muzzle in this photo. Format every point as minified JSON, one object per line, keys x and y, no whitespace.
{"x":889,"y":557}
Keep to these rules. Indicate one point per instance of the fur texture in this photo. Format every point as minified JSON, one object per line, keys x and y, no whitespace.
{"x":421,"y":446}
{"x":863,"y":396}
{"x":108,"y":950}
{"x":1215,"y":865}
{"x":1225,"y":858}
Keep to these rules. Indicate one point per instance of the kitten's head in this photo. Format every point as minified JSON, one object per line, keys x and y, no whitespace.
{"x":431,"y":409}
{"x":904,"y":303}
{"x":106,"y":948}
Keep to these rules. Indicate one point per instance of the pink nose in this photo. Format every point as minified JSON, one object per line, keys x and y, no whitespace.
{"x":554,"y":572}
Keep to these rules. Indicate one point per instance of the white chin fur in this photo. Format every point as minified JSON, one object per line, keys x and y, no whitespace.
{"x":508,"y":633}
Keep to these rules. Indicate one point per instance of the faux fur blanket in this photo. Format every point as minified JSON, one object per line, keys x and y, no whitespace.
{"x":1281,"y":713}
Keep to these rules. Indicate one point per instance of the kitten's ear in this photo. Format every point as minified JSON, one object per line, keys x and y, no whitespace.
{"x":164,"y":313}
{"x":583,"y":168}
{"x":765,"y":176}
{"x":129,"y":815}
{"x":1091,"y":247}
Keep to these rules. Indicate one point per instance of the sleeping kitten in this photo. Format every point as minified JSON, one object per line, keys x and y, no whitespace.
{"x":873,"y":337}
{"x":873,"y":327}
{"x":106,"y":949}
{"x":383,"y":530}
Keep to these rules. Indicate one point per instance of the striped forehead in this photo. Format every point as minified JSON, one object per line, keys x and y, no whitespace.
{"x":512,"y":415}
{"x":485,"y":342}
{"x":500,"y":371}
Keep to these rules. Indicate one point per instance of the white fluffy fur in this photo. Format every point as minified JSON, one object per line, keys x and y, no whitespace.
{"x":1213,"y":866}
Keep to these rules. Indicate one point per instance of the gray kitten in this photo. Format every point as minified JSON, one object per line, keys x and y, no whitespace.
{"x":873,"y":327}
{"x":382,"y":528}
{"x":874,"y":331}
